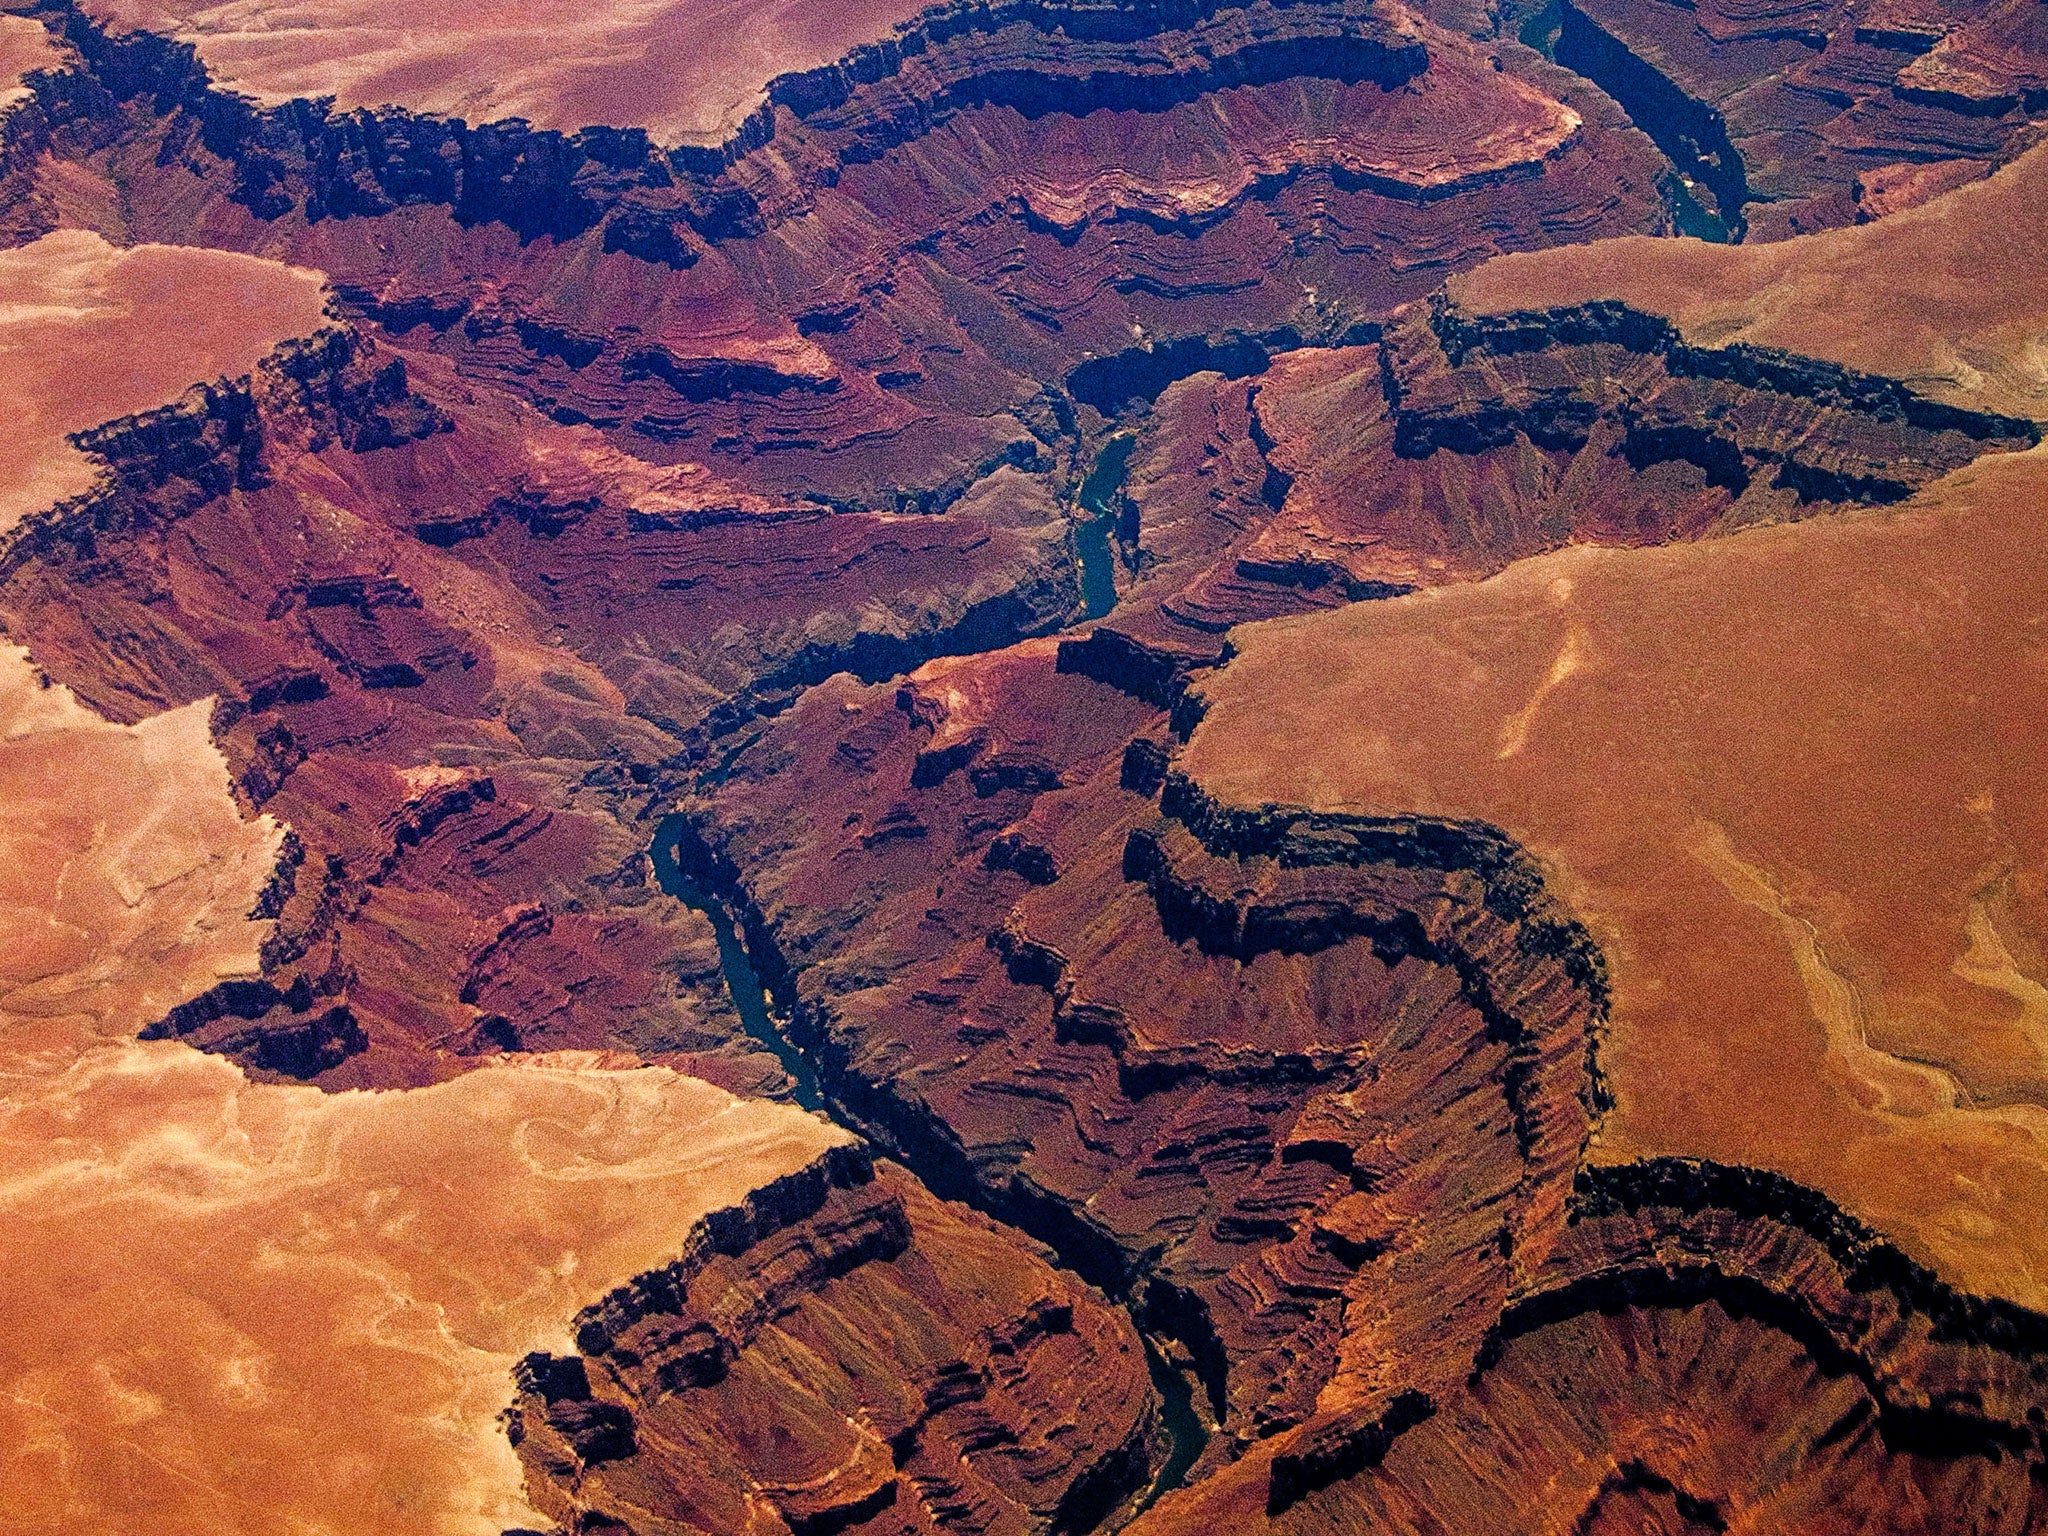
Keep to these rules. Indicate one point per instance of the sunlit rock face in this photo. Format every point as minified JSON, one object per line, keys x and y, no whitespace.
{"x":1780,"y":786}
{"x":1777,"y":774}
{"x":306,"y":1308}
{"x":1783,"y":776}
{"x":1933,"y":296}
{"x":266,"y":1308}
{"x":688,"y":71}
{"x":1545,"y":1034}
{"x":1789,"y":116}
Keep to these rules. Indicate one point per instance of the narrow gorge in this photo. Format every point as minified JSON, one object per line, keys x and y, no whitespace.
{"x":1035,"y":767}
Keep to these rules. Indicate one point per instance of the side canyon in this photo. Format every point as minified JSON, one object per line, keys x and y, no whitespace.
{"x":1032,"y":767}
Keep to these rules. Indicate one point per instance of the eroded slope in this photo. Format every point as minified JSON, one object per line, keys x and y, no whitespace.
{"x":89,"y":332}
{"x":1786,"y":779}
{"x":630,"y":480}
{"x":262,"y":1305}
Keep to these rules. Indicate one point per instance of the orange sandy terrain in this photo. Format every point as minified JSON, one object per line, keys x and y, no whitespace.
{"x":25,"y":45}
{"x":1791,"y":780}
{"x":585,"y":649}
{"x":688,"y":71}
{"x":299,"y":1310}
{"x":1947,"y":296}
{"x":89,"y":333}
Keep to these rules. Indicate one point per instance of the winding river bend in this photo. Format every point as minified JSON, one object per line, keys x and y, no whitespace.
{"x":1186,"y":1435}
{"x":1099,"y":498}
{"x":742,"y":981}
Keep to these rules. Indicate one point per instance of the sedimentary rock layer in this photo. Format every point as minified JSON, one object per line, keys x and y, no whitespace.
{"x":269,"y":1306}
{"x":387,"y":580}
{"x":1788,"y":118}
{"x":856,"y":1356}
{"x":1706,"y":1347}
{"x":92,"y":333}
{"x":1922,"y":297}
{"x":1884,"y":955}
{"x":1554,"y":1051}
{"x":1238,"y":1087}
{"x":871,"y":300}
{"x":690,"y":71}
{"x":1461,"y":440}
{"x":1829,"y":800}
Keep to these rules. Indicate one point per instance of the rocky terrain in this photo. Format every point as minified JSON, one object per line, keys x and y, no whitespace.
{"x":1793,"y":117}
{"x":264,"y":1303}
{"x":1021,"y":768}
{"x":687,"y":73}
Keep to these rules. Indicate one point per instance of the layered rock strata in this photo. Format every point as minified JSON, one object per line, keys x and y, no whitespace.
{"x":872,"y":299}
{"x":685,"y":72}
{"x":1267,"y":1065}
{"x":847,"y":1353}
{"x":75,"y":304}
{"x":1447,"y":1164}
{"x":1706,"y":1347}
{"x":262,"y":1306}
{"x":1463,"y":440}
{"x":1779,"y":115}
{"x":397,"y":686}
{"x":1887,"y":961}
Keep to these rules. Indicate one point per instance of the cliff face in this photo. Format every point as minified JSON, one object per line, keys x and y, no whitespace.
{"x":568,"y":514}
{"x":868,"y":292}
{"x":318,"y":1298}
{"x":848,"y":1353}
{"x":1030,"y":59}
{"x":1704,"y":1346}
{"x":1785,"y":119}
{"x":1460,"y":441}
{"x":1271,"y":1056}
{"x":833,"y":554}
{"x":373,"y":568}
{"x":1363,"y":1055}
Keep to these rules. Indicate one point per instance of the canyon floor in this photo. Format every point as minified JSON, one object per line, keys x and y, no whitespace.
{"x":1032,"y":769}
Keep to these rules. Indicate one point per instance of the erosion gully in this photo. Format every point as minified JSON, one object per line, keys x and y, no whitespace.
{"x":1099,"y":500}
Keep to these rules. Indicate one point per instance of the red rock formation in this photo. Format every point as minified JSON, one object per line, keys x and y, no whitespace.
{"x":294,"y":1306}
{"x":384,"y":611}
{"x":867,"y":301}
{"x":1460,"y":442}
{"x":688,"y":72}
{"x":854,"y":1355}
{"x":748,"y":494}
{"x":1771,"y":109}
{"x":73,"y":300}
{"x":1267,"y":1080}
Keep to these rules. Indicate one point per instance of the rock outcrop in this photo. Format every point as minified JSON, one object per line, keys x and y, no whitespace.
{"x":298,"y":1306}
{"x":867,"y":295}
{"x":846,"y":1353}
{"x":1461,"y":441}
{"x":1704,"y":1346}
{"x":76,"y":304}
{"x":1408,"y":858}
{"x":1774,"y":113}
{"x":1268,"y":1053}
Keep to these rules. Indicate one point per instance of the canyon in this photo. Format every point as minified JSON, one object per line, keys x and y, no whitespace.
{"x":1103,"y":765}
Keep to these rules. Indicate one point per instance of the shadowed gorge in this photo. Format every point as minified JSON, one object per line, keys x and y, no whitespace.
{"x":277,"y":1287}
{"x":1022,"y":767}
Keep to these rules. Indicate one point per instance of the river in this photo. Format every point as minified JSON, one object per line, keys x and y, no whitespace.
{"x":742,"y":981}
{"x":1100,"y":497}
{"x":1187,"y":1435}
